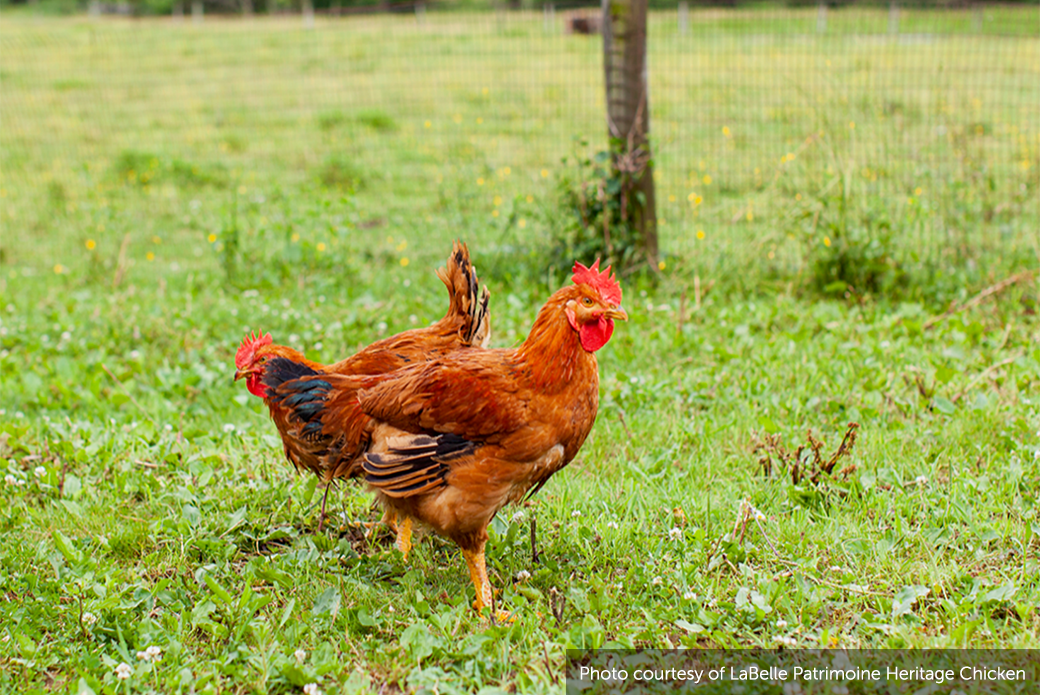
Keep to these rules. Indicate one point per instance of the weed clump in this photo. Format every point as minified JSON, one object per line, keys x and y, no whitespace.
{"x":143,"y":169}
{"x":598,"y":196}
{"x":806,"y":463}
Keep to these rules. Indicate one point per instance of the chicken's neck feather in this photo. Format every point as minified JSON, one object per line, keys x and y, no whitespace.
{"x":552,"y":355}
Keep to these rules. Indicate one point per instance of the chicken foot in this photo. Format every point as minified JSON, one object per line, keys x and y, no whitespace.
{"x":478,"y":574}
{"x":402,"y":528}
{"x":389,"y":518}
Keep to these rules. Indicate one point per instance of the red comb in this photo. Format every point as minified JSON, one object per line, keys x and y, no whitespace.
{"x":249,"y":345}
{"x":605,"y":283}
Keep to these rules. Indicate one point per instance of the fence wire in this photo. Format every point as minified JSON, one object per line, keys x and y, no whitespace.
{"x":765,"y":122}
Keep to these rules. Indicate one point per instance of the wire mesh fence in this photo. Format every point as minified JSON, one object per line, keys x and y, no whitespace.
{"x":774,"y":129}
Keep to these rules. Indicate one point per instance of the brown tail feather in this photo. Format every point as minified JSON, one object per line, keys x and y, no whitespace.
{"x":468,"y":300}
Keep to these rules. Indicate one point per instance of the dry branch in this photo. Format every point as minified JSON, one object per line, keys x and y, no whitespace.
{"x":980,"y":297}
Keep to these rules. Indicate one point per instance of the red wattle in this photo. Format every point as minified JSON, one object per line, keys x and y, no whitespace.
{"x":593,"y":336}
{"x":254,"y":386}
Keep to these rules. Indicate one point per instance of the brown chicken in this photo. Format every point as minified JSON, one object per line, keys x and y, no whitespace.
{"x":454,"y":440}
{"x":467,"y":324}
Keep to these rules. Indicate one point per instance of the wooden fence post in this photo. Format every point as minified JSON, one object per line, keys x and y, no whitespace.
{"x":628,"y":112}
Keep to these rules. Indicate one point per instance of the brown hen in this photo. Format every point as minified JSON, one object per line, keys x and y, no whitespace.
{"x":466,"y":324}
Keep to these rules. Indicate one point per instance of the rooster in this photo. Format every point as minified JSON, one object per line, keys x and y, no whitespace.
{"x":467,"y":324}
{"x":453,"y":440}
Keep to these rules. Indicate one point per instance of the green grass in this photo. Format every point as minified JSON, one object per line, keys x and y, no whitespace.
{"x":147,"y":226}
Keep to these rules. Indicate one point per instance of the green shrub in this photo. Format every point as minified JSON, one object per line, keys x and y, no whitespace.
{"x":594,"y":198}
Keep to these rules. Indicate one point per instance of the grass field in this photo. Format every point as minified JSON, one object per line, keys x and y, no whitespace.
{"x":165,"y":189}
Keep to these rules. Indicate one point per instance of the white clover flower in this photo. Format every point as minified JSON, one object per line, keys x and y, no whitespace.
{"x":523,"y":575}
{"x":135,"y":354}
{"x":153,"y":653}
{"x":921,"y":480}
{"x":40,"y":471}
{"x":89,"y":618}
{"x":11,"y":480}
{"x":312,"y":689}
{"x":781,"y":624}
{"x":675,"y":533}
{"x":293,"y":338}
{"x":612,"y":524}
{"x":835,"y":568}
{"x":123,"y":671}
{"x":229,"y":428}
{"x":656,"y":581}
{"x":576,"y":513}
{"x":786,"y":641}
{"x":517,"y":517}
{"x":168,"y":427}
{"x":300,"y":655}
{"x":689,"y":596}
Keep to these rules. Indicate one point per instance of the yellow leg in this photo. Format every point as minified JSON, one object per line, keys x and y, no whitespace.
{"x":478,"y":575}
{"x":404,"y":536}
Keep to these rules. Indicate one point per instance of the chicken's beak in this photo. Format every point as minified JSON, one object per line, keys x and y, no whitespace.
{"x":240,"y":373}
{"x":617,"y":313}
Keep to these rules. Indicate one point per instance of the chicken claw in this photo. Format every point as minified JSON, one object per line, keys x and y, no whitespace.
{"x":389,"y":518}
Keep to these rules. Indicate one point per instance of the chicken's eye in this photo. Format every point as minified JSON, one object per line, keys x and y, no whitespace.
{"x":262,"y":360}
{"x":587,"y":301}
